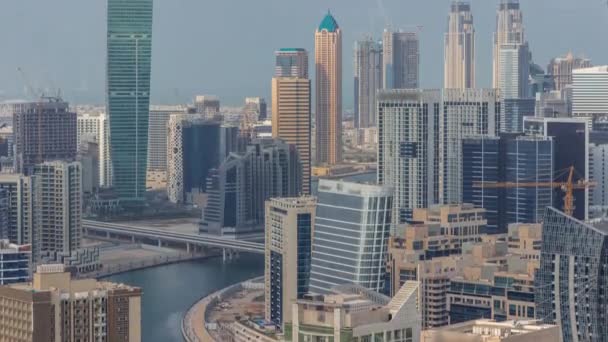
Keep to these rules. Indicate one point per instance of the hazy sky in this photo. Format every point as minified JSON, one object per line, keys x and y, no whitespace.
{"x":225,"y":47}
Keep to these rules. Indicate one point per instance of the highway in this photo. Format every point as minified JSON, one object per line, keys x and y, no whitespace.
{"x":100,"y":229}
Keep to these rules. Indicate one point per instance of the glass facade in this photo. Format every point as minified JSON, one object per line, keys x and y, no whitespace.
{"x":304,"y":252}
{"x":573,"y":277}
{"x":129,"y":50}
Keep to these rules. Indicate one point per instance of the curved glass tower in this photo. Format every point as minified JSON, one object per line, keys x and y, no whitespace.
{"x":129,"y":53}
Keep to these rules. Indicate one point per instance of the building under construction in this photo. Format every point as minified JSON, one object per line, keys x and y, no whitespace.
{"x":44,"y":130}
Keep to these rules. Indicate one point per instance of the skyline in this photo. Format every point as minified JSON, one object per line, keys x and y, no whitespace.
{"x":178,"y":73}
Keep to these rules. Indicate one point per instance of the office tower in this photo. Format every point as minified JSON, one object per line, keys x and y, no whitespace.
{"x":56,"y":308}
{"x":88,"y":157}
{"x":129,"y":54}
{"x":459,"y":53}
{"x":291,"y":62}
{"x":513,"y":159}
{"x":255,"y":109}
{"x":571,"y":282}
{"x":157,"y":136}
{"x":59,"y":207}
{"x":238,"y":188}
{"x":88,"y":128}
{"x":368,"y":80}
{"x":400,"y":60}
{"x":408,"y":135}
{"x":464,"y":113}
{"x":44,"y":130}
{"x":570,"y":149}
{"x":208,"y":105}
{"x":589,"y":87}
{"x":15,"y":262}
{"x":328,"y":91}
{"x":509,"y":30}
{"x":598,"y":154}
{"x":514,"y":72}
{"x":495,"y":331}
{"x":22,"y":193}
{"x":291,"y":119}
{"x":195,"y":146}
{"x":289,"y":224}
{"x":561,"y":68}
{"x":353,"y":313}
{"x":350,"y":238}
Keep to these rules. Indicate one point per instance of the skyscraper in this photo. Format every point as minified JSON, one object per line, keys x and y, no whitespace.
{"x":514,"y":71}
{"x":291,"y":62}
{"x":350,"y":239}
{"x":328,"y":90}
{"x":589,"y":89}
{"x":129,"y":52}
{"x":291,"y":119}
{"x":561,"y":69}
{"x":289,"y":225}
{"x":459,"y":54}
{"x":571,"y":282}
{"x":44,"y":130}
{"x":408,"y":138}
{"x":401,"y":60}
{"x":368,"y":80}
{"x":22,"y":195}
{"x":509,"y":30}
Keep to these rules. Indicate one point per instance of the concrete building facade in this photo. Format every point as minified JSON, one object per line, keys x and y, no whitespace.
{"x":400,"y":59}
{"x":368,"y":80}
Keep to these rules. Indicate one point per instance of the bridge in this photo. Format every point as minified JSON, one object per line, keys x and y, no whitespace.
{"x":97,"y":229}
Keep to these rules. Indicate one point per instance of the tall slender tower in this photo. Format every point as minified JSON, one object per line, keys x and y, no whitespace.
{"x":328,"y":111}
{"x":129,"y":50}
{"x":509,"y":30}
{"x":400,"y":59}
{"x":291,"y":117}
{"x":459,"y":55}
{"x":368,"y":79}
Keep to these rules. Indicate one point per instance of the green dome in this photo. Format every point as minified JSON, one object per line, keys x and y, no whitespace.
{"x":329,"y":23}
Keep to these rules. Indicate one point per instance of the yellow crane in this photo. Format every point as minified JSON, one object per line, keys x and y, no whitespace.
{"x":567,"y":187}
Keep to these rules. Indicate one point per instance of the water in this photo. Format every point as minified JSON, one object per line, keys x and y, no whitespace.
{"x":169,"y":291}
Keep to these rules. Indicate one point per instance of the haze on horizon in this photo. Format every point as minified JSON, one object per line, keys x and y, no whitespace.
{"x":226,"y":47}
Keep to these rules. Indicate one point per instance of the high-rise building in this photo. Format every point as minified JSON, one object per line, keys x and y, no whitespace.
{"x":571,"y":281}
{"x":459,"y":48}
{"x":22,"y":192}
{"x":350,"y":238}
{"x":59,"y":207}
{"x":291,"y":119}
{"x":588,"y":88}
{"x":598,"y":155}
{"x":401,"y":60}
{"x":208,"y":105}
{"x":105,"y":159}
{"x":56,"y":308}
{"x":289,"y":226}
{"x":408,"y":151}
{"x":514,"y":71}
{"x":88,"y":128}
{"x":15,"y":263}
{"x":552,"y":104}
{"x":465,"y":112}
{"x":195,"y":146}
{"x":509,"y":30}
{"x":255,"y":109}
{"x":570,"y":149}
{"x":238,"y":188}
{"x":291,"y":62}
{"x":368,"y":80}
{"x":129,"y":54}
{"x":561,"y":68}
{"x":509,"y":158}
{"x":44,"y":130}
{"x":157,"y":135}
{"x":328,"y":91}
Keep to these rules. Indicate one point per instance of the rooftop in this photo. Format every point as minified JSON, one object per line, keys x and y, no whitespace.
{"x":593,"y":70}
{"x":329,"y":23}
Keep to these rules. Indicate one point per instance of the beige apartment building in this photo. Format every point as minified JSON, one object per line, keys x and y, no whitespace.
{"x":291,"y":119}
{"x":56,"y":308}
{"x":328,"y":88}
{"x":459,"y":48}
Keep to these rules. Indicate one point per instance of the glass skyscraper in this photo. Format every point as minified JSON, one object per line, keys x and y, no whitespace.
{"x":129,"y":50}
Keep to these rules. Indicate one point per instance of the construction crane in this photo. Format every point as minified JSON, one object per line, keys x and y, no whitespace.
{"x":567,"y":187}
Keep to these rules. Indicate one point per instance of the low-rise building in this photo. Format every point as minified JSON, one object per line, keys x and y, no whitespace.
{"x":352,"y":313}
{"x":485,"y":330}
